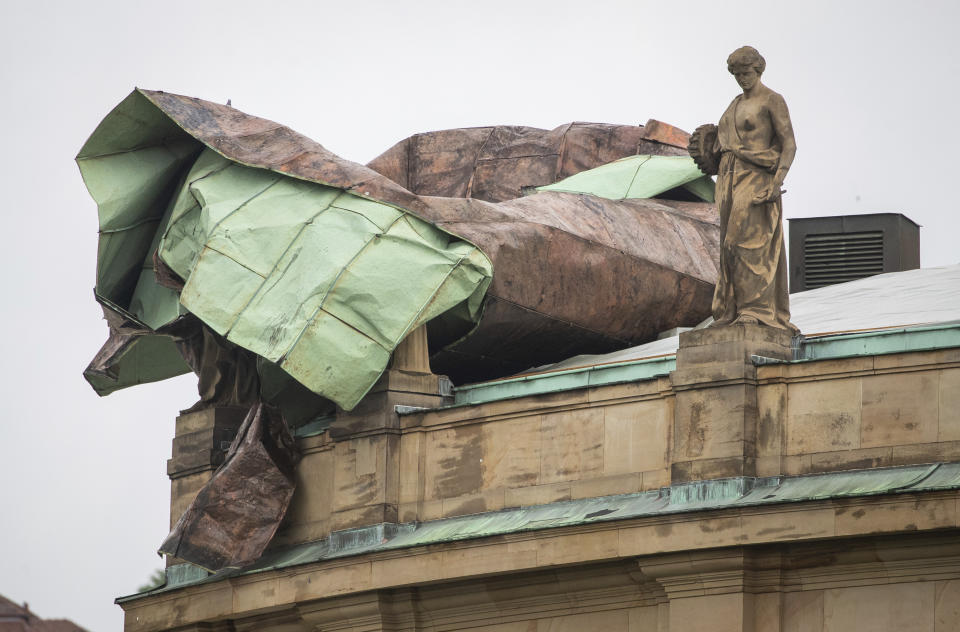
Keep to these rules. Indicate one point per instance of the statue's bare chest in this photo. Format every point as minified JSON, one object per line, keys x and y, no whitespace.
{"x":751,"y":116}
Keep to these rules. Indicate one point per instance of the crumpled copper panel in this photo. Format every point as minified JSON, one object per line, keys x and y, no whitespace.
{"x":257,"y":142}
{"x":609,"y":273}
{"x":123,"y":332}
{"x":226,"y":373}
{"x":235,"y":515}
{"x":498,"y":163}
{"x":572,"y":273}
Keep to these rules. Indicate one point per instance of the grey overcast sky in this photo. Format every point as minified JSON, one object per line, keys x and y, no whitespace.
{"x":872,"y":89}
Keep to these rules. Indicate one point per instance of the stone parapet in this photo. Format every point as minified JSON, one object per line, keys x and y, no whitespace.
{"x":716,"y":416}
{"x":377,"y":412}
{"x":782,"y":566}
{"x":770,"y":420}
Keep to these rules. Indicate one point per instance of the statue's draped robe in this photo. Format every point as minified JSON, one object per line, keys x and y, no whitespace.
{"x":753,"y":262}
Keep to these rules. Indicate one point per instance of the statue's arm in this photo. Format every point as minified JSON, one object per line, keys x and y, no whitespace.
{"x":784,"y":130}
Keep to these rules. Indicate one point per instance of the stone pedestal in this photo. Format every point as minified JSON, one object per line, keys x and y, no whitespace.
{"x":366,"y":440}
{"x":407,"y":382}
{"x":720,"y":348}
{"x":376,"y":413}
{"x":715,"y":416}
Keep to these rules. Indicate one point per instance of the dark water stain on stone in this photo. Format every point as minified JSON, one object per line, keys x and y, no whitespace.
{"x":696,"y":433}
{"x":772,"y":530}
{"x":462,"y":473}
{"x":837,"y":427}
{"x":472,"y":506}
{"x":718,"y":525}
{"x":361,"y":490}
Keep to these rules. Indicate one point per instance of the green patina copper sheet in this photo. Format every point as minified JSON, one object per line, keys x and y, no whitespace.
{"x":142,"y":360}
{"x":638,"y":177}
{"x":317,"y":280}
{"x":321,"y":281}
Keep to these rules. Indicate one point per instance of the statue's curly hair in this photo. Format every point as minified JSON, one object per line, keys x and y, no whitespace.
{"x":746,"y":56}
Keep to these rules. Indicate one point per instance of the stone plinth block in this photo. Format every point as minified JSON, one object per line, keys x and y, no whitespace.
{"x":202,"y":439}
{"x":716,"y":414}
{"x":377,"y":410}
{"x":732,"y":343}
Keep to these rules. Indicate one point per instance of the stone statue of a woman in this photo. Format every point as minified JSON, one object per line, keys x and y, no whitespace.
{"x":750,"y":152}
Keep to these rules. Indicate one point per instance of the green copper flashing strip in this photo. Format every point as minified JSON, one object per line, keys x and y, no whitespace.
{"x":835,"y":346}
{"x":697,"y":496}
{"x":554,"y":381}
{"x":881,"y":342}
{"x":314,"y":427}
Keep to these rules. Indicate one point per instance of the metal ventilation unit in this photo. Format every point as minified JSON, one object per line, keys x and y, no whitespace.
{"x":828,"y":250}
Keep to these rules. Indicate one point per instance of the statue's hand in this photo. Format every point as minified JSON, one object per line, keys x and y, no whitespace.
{"x":769,"y":194}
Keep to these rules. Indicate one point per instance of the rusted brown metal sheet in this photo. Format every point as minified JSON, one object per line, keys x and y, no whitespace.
{"x":661,"y":132}
{"x":572,"y":273}
{"x":234,"y":516}
{"x":257,"y":142}
{"x":576,"y":272}
{"x":498,"y":163}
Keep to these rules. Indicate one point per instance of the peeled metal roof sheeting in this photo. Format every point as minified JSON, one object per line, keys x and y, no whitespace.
{"x":313,"y":274}
{"x":640,"y":177}
{"x":496,"y":163}
{"x":574,"y":273}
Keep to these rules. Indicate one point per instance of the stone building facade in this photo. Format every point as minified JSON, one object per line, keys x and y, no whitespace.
{"x":720,"y":488}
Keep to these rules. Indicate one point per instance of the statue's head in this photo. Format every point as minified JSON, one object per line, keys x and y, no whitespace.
{"x":746,"y":64}
{"x":746,"y":57}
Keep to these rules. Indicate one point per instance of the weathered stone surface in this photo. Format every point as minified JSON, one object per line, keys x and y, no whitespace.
{"x":571,"y":445}
{"x":685,"y":563}
{"x":803,"y":611}
{"x":892,"y":608}
{"x":377,"y":410}
{"x":900,"y":408}
{"x":736,"y":342}
{"x":614,"y":440}
{"x":949,"y":406}
{"x":823,"y":416}
{"x":635,"y":437}
{"x":799,"y":419}
{"x":715,"y":422}
{"x":946,"y":612}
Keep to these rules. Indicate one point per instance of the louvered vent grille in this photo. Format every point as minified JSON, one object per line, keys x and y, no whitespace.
{"x":842,"y":257}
